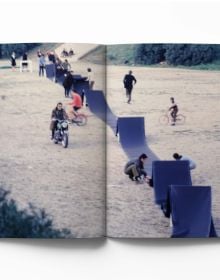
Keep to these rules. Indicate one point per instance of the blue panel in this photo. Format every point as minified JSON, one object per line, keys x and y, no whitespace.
{"x":191,"y":211}
{"x":98,"y":105}
{"x":166,"y":173}
{"x":50,"y":70}
{"x":131,"y":131}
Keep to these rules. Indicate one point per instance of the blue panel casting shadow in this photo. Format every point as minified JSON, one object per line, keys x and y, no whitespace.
{"x":132,"y":137}
{"x":191,"y":211}
{"x":166,"y":173}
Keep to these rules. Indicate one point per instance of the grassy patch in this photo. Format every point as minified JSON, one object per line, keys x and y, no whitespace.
{"x":120,"y":54}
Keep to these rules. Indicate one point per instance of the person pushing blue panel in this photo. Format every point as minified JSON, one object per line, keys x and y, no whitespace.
{"x":166,"y":173}
{"x":98,"y":105}
{"x":191,"y":211}
{"x":50,"y":71}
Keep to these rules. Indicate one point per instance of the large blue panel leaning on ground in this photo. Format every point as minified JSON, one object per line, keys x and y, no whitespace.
{"x":167,"y":173}
{"x":191,"y":211}
{"x":131,"y":132}
{"x":98,"y":105}
{"x":50,"y":70}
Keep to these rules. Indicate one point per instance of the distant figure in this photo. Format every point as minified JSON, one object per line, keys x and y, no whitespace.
{"x":13,"y":60}
{"x":42,"y":63}
{"x":90,"y":78}
{"x":39,"y":53}
{"x":24,"y":58}
{"x":129,"y":81}
{"x":51,"y":57}
{"x":192,"y":164}
{"x":71,"y":52}
{"x":64,"y":53}
{"x":173,"y":110}
{"x":68,"y":83}
{"x":135,"y":168}
{"x":66,"y":66}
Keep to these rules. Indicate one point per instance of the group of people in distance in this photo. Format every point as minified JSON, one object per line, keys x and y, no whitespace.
{"x":24,"y":60}
{"x":51,"y":58}
{"x":66,"y":53}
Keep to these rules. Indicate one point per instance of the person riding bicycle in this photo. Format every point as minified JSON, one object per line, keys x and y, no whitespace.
{"x":76,"y":103}
{"x":58,"y":113}
{"x":173,"y":110}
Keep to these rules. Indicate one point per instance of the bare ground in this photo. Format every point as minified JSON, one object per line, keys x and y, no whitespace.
{"x":131,"y":210}
{"x":67,"y":183}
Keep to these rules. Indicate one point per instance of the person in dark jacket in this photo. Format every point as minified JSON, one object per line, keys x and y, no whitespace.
{"x":68,"y":83}
{"x":24,"y":59}
{"x":129,"y":81}
{"x":13,"y":60}
{"x":57,"y":114}
{"x":135,"y":168}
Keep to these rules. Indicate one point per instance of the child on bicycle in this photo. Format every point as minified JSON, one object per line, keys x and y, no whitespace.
{"x":76,"y":104}
{"x":173,"y":110}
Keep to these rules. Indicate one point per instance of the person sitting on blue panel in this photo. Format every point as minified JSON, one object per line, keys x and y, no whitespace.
{"x":135,"y":169}
{"x":192,"y":164}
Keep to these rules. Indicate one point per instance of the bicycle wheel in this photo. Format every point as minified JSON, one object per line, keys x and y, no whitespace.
{"x":164,"y":119}
{"x":81,"y":120}
{"x":180,"y":119}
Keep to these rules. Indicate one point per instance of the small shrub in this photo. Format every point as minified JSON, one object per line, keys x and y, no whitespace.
{"x":28,"y":223}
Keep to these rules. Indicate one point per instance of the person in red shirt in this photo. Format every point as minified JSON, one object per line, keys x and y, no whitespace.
{"x":76,"y":103}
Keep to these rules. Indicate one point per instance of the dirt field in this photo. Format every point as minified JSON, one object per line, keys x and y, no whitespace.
{"x":68,"y":183}
{"x":131,"y":211}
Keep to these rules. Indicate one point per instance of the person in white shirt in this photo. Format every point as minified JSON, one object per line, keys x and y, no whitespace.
{"x":192,"y":164}
{"x":90,"y":78}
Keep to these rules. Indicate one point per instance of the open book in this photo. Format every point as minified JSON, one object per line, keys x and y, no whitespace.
{"x":109,"y":141}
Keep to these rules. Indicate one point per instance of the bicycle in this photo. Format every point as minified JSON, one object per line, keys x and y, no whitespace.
{"x":168,"y":119}
{"x":80,"y":119}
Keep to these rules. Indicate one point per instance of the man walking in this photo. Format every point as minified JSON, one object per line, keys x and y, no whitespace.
{"x":129,"y":81}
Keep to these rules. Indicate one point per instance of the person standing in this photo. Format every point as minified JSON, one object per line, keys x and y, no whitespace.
{"x":90,"y":78}
{"x":129,"y":81}
{"x":68,"y":83}
{"x":192,"y":164}
{"x":42,"y":63}
{"x":39,"y":53}
{"x":24,"y":64}
{"x":13,"y":60}
{"x":66,"y":66}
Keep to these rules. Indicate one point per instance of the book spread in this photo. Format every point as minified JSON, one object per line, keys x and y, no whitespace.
{"x":109,"y":141}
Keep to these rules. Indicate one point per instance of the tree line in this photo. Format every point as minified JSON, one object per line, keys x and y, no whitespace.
{"x":7,"y":49}
{"x":175,"y":54}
